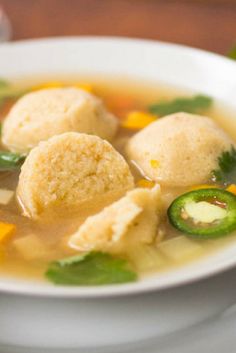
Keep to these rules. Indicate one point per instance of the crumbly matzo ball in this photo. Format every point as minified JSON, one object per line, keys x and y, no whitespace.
{"x":70,"y":169}
{"x":179,"y":150}
{"x":132,"y":219}
{"x":39,"y":115}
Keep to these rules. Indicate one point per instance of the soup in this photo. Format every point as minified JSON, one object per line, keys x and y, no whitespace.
{"x":129,"y":229}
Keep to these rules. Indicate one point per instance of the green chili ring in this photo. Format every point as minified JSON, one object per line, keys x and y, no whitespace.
{"x":204,"y":231}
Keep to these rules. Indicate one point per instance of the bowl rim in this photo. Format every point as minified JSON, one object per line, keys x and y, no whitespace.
{"x":18,"y":286}
{"x":102,"y":38}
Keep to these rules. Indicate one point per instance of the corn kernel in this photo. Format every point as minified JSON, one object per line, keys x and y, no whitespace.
{"x":144,"y":183}
{"x":46,"y":85}
{"x":6,"y":231}
{"x":232,"y":189}
{"x":84,"y":86}
{"x":154,"y":163}
{"x":138,"y":120}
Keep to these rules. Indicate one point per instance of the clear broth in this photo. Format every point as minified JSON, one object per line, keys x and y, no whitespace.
{"x":120,"y":97}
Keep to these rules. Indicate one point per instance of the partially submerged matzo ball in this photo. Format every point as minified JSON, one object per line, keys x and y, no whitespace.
{"x":39,"y":115}
{"x":178,"y":150}
{"x":70,"y":169}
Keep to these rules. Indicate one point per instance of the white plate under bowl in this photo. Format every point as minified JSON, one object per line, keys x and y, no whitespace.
{"x":63,"y":316}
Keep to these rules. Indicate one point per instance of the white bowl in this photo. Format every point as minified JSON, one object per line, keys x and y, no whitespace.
{"x":65,"y":316}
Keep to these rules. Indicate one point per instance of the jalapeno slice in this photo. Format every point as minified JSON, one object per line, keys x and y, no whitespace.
{"x":206,"y":213}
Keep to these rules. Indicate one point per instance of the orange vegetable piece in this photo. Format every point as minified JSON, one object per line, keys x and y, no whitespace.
{"x":6,"y":231}
{"x":46,"y":85}
{"x":59,"y":84}
{"x":86,"y":87}
{"x":138,"y":120}
{"x":121,"y":102}
{"x":232,"y":188}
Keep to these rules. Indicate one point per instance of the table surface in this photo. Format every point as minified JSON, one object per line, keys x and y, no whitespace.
{"x":206,"y":24}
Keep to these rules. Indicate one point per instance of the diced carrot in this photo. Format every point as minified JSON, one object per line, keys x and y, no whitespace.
{"x":6,"y":231}
{"x":121,"y":102}
{"x":154,"y":163}
{"x":138,"y":120}
{"x":144,"y":183}
{"x":203,"y":186}
{"x":232,"y":188}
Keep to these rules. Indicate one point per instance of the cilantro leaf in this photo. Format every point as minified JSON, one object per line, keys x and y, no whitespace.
{"x":226,"y":173}
{"x":232,"y":53}
{"x":10,"y":160}
{"x":94,"y":268}
{"x":194,"y":104}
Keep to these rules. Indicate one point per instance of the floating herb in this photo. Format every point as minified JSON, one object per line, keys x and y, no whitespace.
{"x":94,"y":268}
{"x":196,"y":104}
{"x":226,"y":172}
{"x":10,"y":161}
